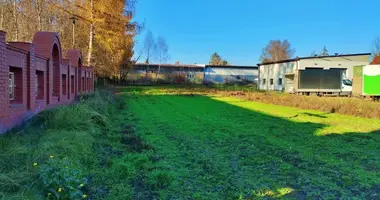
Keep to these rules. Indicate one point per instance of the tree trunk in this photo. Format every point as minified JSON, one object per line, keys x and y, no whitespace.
{"x":39,"y":13}
{"x":15,"y":17}
{"x":89,"y":55}
{"x":2,"y":15}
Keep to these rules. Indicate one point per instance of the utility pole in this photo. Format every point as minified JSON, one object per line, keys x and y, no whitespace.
{"x":73,"y":18}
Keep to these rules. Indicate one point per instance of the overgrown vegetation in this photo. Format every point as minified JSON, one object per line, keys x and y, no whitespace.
{"x":78,"y":151}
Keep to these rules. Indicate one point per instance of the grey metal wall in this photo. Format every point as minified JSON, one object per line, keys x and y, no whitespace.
{"x":230,"y":75}
{"x":312,"y":78}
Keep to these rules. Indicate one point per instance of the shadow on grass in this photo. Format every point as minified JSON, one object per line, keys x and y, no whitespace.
{"x":314,"y":115}
{"x":232,"y":150}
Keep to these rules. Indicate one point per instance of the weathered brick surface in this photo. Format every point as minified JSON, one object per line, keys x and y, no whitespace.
{"x":43,"y":77}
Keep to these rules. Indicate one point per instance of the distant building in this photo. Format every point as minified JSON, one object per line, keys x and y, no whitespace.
{"x":230,"y":74}
{"x":284,"y":74}
{"x":165,"y":73}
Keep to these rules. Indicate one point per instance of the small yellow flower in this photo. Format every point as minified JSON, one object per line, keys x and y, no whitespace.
{"x":35,"y":164}
{"x":84,"y":196}
{"x":51,"y":156}
{"x":59,"y":189}
{"x":81,"y":185}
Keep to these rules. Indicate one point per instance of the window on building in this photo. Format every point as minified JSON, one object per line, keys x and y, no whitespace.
{"x":40,"y":84}
{"x":280,"y":81}
{"x":64,"y":83}
{"x":72,"y":83}
{"x":11,"y":85}
{"x":264,"y":80}
{"x":271,"y":81}
{"x":190,"y":76}
{"x":15,"y":85}
{"x":82,"y":87}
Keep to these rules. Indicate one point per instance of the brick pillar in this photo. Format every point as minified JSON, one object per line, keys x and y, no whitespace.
{"x":4,"y":78}
{"x":49,"y":81}
{"x":85,"y":80}
{"x":79,"y":78}
{"x":68,"y":85}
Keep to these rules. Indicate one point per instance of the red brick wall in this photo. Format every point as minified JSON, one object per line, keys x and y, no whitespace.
{"x":43,"y":78}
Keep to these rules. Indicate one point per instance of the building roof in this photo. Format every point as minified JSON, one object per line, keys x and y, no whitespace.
{"x":232,"y":66}
{"x":313,"y":57}
{"x":171,"y":65}
{"x":376,"y":60}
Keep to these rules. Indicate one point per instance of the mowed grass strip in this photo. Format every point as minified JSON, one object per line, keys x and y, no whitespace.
{"x":212,"y":147}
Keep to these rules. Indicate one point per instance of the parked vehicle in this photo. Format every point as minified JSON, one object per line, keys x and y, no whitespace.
{"x":318,"y":81}
{"x":366,"y":81}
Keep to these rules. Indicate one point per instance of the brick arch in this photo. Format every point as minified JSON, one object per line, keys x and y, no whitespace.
{"x":47,"y":44}
{"x":44,"y":43}
{"x":75,"y":56}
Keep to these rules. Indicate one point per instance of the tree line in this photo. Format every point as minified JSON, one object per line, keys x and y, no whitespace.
{"x":277,"y":50}
{"x":102,"y":29}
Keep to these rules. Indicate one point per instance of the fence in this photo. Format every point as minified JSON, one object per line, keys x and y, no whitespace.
{"x":35,"y":76}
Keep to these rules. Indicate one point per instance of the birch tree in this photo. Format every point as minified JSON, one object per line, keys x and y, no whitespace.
{"x":149,"y":46}
{"x":162,"y":53}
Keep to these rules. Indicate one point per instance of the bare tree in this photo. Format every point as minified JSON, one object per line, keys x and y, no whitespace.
{"x":89,"y":54}
{"x":313,"y":53}
{"x":376,"y":47}
{"x":149,"y":46}
{"x":15,"y":18}
{"x":276,"y":50}
{"x":324,"y":52}
{"x":162,"y":53}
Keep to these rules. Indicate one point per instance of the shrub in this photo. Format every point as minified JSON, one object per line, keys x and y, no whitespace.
{"x":62,"y":179}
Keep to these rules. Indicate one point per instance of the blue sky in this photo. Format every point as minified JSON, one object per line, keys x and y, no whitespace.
{"x":239,"y":29}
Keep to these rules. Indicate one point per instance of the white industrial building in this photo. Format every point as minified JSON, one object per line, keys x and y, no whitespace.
{"x":230,"y":74}
{"x":284,"y":75}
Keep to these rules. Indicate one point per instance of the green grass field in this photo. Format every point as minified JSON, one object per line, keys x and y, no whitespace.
{"x":154,"y":143}
{"x":212,"y":147}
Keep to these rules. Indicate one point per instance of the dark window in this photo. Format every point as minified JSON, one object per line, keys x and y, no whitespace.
{"x":271,"y":81}
{"x":40,"y":84}
{"x":64,"y":83}
{"x":347,"y":82}
{"x":280,"y":81}
{"x":264,"y":80}
{"x":82,"y":87}
{"x":72,"y":83}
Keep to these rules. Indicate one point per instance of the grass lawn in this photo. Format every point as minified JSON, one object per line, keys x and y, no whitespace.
{"x":151,"y":143}
{"x":212,"y":147}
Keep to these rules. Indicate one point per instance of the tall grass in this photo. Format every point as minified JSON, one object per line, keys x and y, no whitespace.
{"x":66,"y":132}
